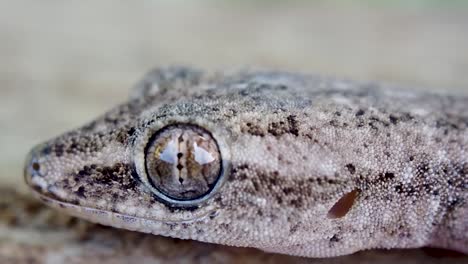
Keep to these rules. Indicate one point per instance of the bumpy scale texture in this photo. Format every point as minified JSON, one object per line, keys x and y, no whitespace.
{"x":293,"y":147}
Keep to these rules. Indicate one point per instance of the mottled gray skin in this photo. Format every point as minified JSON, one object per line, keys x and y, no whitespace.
{"x":293,"y":145}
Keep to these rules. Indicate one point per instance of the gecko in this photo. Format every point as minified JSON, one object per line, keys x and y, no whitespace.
{"x":289,"y":163}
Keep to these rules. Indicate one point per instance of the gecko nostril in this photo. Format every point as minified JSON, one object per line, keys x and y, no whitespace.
{"x":35,"y":166}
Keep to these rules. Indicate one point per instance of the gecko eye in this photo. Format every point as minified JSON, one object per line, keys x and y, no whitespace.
{"x":183,"y":162}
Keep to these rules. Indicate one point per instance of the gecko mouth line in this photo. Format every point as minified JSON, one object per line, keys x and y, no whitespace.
{"x":106,"y":217}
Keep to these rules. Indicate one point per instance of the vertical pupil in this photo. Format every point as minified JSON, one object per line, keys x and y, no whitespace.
{"x":183,"y":162}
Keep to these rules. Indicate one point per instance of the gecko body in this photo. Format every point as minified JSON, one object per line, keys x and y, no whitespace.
{"x":287,"y":163}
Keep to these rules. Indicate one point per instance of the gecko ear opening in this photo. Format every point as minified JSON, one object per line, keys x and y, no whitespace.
{"x":343,"y":205}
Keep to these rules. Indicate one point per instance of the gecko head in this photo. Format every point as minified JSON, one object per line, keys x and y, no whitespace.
{"x":177,"y":178}
{"x":124,"y":174}
{"x":197,"y":168}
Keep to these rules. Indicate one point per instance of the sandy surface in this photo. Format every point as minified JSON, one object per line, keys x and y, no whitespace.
{"x":64,"y":63}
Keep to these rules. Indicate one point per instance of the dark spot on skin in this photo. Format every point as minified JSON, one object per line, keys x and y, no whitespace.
{"x":410,"y":191}
{"x":334,"y":239}
{"x":375,"y":122}
{"x":423,"y":168}
{"x":46,"y":151}
{"x":90,"y":126}
{"x":360,"y":112}
{"x":240,"y":172}
{"x":112,"y":120}
{"x":243,"y":167}
{"x":452,"y":204}
{"x":292,"y":122}
{"x":115,"y":197}
{"x":406,"y":117}
{"x":171,"y":225}
{"x":449,"y":123}
{"x":297,"y":203}
{"x":288,"y":126}
{"x":279,"y":200}
{"x":294,"y":228}
{"x":124,"y":135}
{"x":259,"y":212}
{"x":58,"y":150}
{"x":131,"y":132}
{"x":241,"y":175}
{"x":398,"y":188}
{"x":244,"y":92}
{"x":288,"y":190}
{"x":333,"y":123}
{"x":406,"y":190}
{"x":276,"y":129}
{"x":282,"y":87}
{"x":118,"y":174}
{"x":85,"y":171}
{"x":332,"y":181}
{"x":224,"y":226}
{"x":253,"y":130}
{"x":81,"y":192}
{"x":393,"y":119}
{"x":389,"y":175}
{"x":256,"y":186}
{"x":317,"y":180}
{"x":351,"y":168}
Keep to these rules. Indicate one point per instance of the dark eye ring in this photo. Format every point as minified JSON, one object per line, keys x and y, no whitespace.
{"x":183,"y":163}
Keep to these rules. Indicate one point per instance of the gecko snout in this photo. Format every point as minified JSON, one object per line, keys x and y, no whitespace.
{"x":34,"y":167}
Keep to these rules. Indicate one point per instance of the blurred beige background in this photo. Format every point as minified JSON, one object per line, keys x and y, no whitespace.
{"x":63,"y":63}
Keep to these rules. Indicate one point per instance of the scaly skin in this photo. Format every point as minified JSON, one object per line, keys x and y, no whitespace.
{"x":291,"y":146}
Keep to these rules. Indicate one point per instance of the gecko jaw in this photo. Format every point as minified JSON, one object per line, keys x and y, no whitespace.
{"x":115,"y":219}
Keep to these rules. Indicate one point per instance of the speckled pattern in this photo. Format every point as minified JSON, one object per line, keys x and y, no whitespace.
{"x":65,"y":62}
{"x":292,"y":145}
